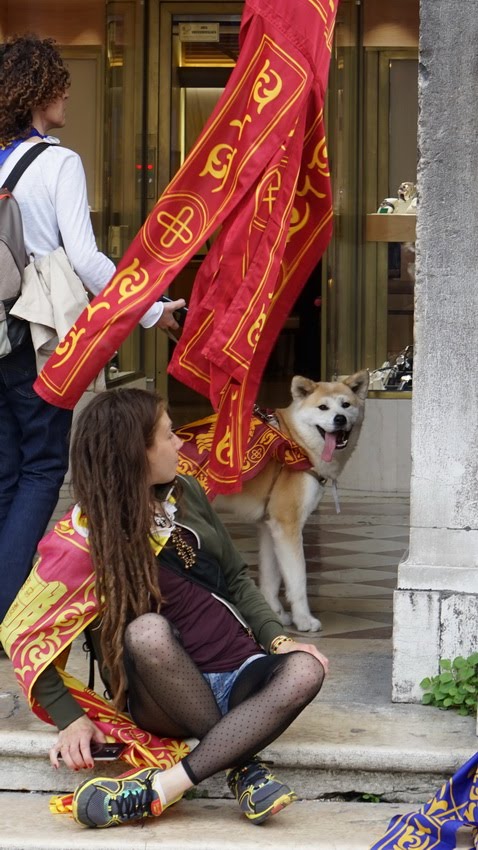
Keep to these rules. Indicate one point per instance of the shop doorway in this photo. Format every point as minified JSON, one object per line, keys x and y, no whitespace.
{"x":193,"y":49}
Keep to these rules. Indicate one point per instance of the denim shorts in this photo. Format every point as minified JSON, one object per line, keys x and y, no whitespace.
{"x":221,"y":683}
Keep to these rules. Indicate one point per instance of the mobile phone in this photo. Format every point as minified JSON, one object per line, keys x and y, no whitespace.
{"x":179,"y":315}
{"x":104,"y":752}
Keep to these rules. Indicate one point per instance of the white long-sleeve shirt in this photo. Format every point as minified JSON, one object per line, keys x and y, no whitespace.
{"x":52,"y":198}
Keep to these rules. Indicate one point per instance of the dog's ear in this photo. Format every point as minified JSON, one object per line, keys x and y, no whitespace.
{"x":301,"y":387}
{"x":358,"y":383}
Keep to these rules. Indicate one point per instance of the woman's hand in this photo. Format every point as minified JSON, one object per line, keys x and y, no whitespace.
{"x":74,"y":744}
{"x":293,"y":646}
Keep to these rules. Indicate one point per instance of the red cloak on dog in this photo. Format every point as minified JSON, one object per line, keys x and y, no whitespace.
{"x":265,"y":443}
{"x":260,"y":169}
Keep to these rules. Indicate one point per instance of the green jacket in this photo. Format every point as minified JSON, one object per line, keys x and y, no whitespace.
{"x":240,"y":594}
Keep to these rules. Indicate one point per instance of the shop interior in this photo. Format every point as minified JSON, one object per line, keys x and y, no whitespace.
{"x":145,"y":78}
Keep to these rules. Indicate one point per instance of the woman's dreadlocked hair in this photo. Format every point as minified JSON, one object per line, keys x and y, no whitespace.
{"x":110,"y":474}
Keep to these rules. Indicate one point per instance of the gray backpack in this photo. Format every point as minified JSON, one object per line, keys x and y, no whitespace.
{"x":13,"y":258}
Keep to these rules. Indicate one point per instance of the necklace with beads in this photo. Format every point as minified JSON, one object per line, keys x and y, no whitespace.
{"x":183,"y":548}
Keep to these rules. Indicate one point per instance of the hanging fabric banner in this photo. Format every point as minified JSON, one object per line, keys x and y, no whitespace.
{"x":448,"y":821}
{"x":43,"y":621}
{"x":259,"y":169}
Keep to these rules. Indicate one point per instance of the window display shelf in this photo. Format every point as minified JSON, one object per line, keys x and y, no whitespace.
{"x":389,"y":394}
{"x":390,"y":228}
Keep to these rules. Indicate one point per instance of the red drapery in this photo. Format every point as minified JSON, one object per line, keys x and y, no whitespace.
{"x":264,"y":443}
{"x":40,"y":626}
{"x":259,"y":169}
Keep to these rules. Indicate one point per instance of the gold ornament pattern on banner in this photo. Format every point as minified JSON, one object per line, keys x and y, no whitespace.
{"x":264,"y":444}
{"x":270,"y":118}
{"x":439,"y":822}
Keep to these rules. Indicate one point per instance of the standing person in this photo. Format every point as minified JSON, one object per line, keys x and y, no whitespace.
{"x":184,"y":639}
{"x":52,"y":197}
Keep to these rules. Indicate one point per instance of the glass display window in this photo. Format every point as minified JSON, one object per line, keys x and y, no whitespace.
{"x":390,"y":206}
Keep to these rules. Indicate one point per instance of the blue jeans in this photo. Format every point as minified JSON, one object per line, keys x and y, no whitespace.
{"x":221,"y":683}
{"x":33,"y":461}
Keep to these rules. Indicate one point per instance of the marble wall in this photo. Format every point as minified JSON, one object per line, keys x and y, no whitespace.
{"x":381,"y":462}
{"x":435,"y":606}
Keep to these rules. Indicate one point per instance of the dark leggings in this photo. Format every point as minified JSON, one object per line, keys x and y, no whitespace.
{"x":169,"y":696}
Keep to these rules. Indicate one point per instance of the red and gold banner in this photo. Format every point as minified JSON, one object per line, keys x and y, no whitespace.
{"x":54,"y":606}
{"x":260,"y":169}
{"x":264,"y":443}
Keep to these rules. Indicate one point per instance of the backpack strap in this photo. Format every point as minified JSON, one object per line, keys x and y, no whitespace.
{"x":23,"y":163}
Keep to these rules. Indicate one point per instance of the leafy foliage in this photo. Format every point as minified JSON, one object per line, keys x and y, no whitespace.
{"x":456,"y":686}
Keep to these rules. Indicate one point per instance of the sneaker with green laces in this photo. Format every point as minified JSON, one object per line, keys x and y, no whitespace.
{"x":103,"y":801}
{"x":258,"y":792}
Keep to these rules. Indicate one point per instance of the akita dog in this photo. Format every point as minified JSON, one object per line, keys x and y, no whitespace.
{"x":324,"y":419}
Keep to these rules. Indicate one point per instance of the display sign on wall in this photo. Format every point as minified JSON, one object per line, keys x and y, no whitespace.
{"x":199,"y":32}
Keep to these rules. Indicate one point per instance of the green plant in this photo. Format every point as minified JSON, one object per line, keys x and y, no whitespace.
{"x":370,"y":798}
{"x":456,"y":686}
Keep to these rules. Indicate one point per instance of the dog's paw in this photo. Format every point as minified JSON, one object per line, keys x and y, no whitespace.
{"x":308,"y":624}
{"x":276,"y":605}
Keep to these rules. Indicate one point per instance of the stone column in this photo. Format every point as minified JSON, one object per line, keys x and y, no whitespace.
{"x":435,"y":606}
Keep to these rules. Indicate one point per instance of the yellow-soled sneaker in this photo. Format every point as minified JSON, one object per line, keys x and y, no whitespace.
{"x":258,"y":792}
{"x":102,"y":801}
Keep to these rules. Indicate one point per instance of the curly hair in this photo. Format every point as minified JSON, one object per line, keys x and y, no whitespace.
{"x":110,"y":474}
{"x":32,"y":75}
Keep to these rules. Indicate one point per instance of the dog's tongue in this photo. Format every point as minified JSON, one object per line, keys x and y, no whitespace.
{"x":329,"y":447}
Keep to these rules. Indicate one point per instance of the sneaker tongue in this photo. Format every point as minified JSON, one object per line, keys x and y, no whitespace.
{"x":329,"y":447}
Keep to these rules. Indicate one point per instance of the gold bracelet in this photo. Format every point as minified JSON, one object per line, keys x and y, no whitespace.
{"x":278,"y":641}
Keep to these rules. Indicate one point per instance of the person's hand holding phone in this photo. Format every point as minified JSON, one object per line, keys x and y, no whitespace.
{"x":74,"y":744}
{"x":173,"y":315}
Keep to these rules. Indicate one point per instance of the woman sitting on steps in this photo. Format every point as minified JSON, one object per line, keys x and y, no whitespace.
{"x":185,"y":642}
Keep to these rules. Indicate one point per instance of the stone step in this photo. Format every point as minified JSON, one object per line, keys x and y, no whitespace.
{"x":350,"y":741}
{"x":400,"y":753}
{"x":198,"y":825}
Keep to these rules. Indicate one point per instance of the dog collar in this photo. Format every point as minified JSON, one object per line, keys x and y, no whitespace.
{"x":320,"y":478}
{"x":323,"y":481}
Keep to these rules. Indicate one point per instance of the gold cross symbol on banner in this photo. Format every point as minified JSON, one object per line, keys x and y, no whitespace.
{"x":272,"y":189}
{"x":176,"y":227}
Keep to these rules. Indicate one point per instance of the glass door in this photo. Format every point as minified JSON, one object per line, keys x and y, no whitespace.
{"x":124,"y":168}
{"x":341,"y":282}
{"x":190,"y":64}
